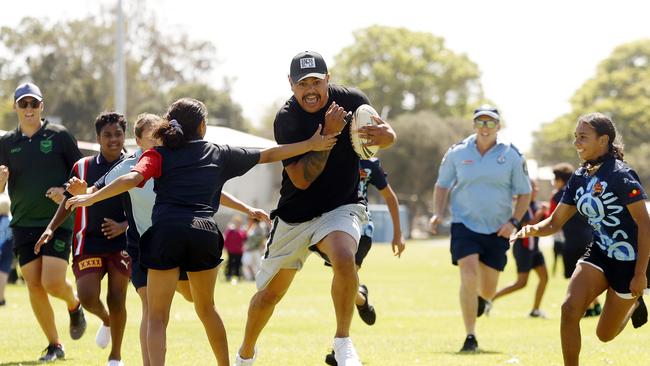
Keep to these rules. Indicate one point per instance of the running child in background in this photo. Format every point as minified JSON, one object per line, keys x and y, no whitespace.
{"x":528,"y":257}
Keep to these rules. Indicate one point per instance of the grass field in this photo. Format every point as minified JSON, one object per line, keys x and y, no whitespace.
{"x":418,"y":322}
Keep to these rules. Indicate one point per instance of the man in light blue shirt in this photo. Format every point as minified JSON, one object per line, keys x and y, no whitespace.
{"x":481,"y":175}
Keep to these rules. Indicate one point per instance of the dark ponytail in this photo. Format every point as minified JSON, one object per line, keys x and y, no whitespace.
{"x":182,"y":123}
{"x":603,"y":125}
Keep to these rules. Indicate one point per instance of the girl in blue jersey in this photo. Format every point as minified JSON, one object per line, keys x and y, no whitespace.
{"x":189,"y":172}
{"x":607,"y":192}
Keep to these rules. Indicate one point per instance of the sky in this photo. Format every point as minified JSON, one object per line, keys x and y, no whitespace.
{"x":533,"y":55}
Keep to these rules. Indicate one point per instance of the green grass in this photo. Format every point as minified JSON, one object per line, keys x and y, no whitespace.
{"x":418,"y":322}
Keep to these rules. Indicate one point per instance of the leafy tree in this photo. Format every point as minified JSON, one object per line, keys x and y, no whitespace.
{"x":222,"y":110}
{"x":73,"y":62}
{"x":413,"y":162}
{"x":621,"y":89}
{"x":409,"y":71}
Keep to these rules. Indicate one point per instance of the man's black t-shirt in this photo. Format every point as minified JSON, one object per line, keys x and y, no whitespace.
{"x":338,"y":184}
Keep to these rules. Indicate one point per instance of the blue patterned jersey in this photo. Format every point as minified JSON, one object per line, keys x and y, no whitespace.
{"x":603,"y":199}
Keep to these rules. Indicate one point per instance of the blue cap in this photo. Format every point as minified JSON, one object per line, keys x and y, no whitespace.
{"x":486,"y":110}
{"x":27,"y":90}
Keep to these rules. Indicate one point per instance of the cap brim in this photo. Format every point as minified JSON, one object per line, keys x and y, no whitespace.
{"x":312,"y":75}
{"x":486,"y":113}
{"x":37,"y":97}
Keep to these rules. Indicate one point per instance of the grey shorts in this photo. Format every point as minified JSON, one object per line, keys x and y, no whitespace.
{"x":289,"y":245}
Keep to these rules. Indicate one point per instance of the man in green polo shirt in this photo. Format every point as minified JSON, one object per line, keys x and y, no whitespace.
{"x":35,"y":159}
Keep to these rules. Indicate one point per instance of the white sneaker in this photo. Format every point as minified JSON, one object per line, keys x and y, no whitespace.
{"x":345,"y":353}
{"x":115,"y":363}
{"x":245,"y":361}
{"x":103,"y":337}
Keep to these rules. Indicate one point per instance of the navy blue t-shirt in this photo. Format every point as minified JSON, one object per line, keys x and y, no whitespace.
{"x":603,"y":199}
{"x":371,"y":172}
{"x":337,"y":185}
{"x":193,"y":175}
{"x":88,"y":237}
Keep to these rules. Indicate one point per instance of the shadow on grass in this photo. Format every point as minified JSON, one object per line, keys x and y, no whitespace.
{"x":477,"y":353}
{"x":29,"y":363}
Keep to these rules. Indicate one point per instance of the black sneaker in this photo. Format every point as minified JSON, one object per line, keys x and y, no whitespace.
{"x":483,"y":307}
{"x":470,"y":345}
{"x":77,"y":323}
{"x":597,"y":309}
{"x":366,"y":311}
{"x":3,"y":302}
{"x":53,"y":352}
{"x":640,"y":314}
{"x":330,"y":359}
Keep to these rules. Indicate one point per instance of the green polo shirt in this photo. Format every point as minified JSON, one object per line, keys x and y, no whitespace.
{"x":35,"y":165}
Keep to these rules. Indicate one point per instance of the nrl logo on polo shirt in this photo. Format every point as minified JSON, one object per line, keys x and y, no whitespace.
{"x":46,"y":146}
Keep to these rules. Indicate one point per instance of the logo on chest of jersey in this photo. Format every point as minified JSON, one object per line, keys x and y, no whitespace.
{"x":597,"y":190}
{"x":46,"y":146}
{"x":468,"y":162}
{"x":15,"y":150}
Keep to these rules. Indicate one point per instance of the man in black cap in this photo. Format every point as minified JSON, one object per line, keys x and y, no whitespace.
{"x":319,"y":209}
{"x":35,"y":159}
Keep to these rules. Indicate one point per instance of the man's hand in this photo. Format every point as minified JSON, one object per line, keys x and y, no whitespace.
{"x":334,"y":119}
{"x":55,"y":194}
{"x":382,"y":134}
{"x":112,"y":228}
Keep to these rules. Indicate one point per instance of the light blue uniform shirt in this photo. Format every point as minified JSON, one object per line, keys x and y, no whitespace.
{"x":142,"y":199}
{"x":482,"y":187}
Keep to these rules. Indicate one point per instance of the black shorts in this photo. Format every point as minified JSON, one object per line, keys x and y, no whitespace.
{"x":193,"y":246}
{"x":491,"y":248}
{"x":138,"y":272}
{"x":26,"y":237}
{"x":618,"y":273}
{"x":525,"y":258}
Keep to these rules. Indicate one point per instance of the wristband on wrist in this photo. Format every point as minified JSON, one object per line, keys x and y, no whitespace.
{"x":515,"y":223}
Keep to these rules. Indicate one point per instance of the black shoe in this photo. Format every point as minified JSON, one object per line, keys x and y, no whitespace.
{"x":366,"y":311}
{"x":597,"y":310}
{"x":330,"y":359}
{"x":640,"y":314}
{"x":470,"y":345}
{"x":77,"y":323}
{"x":3,"y":302}
{"x":53,"y":352}
{"x":483,"y":307}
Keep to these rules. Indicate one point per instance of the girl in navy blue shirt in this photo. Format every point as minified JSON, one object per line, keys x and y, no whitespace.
{"x":607,"y":192}
{"x":189,"y":172}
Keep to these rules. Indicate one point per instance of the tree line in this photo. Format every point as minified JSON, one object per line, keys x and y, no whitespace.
{"x":425,"y":90}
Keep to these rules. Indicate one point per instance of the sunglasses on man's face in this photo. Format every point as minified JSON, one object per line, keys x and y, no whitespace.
{"x":489,"y":123}
{"x":22,"y":104}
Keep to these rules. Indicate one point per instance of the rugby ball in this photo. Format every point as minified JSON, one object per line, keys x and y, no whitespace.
{"x":362,"y":117}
